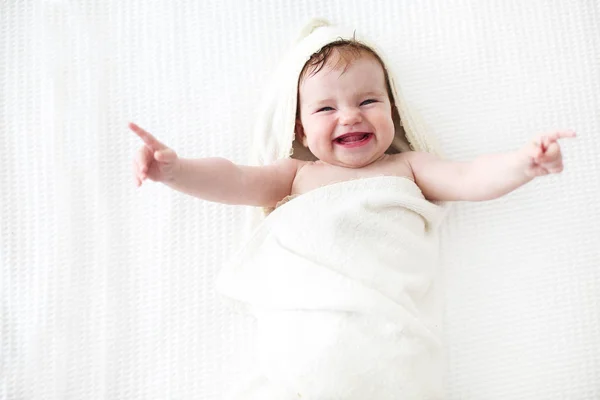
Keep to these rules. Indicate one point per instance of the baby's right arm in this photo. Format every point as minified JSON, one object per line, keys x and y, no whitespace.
{"x":213,"y":179}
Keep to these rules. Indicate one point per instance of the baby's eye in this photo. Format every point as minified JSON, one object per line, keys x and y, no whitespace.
{"x":369,"y":101}
{"x":324,"y":109}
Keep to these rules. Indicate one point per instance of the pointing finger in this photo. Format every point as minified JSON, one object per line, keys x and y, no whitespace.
{"x":148,"y":139}
{"x":561,"y":135}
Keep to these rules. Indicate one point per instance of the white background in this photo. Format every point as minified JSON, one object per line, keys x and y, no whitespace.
{"x":107,"y":290}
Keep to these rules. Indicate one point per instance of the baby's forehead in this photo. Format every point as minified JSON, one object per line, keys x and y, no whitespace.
{"x":362,"y":73}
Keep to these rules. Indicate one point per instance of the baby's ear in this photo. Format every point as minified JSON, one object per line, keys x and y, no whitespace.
{"x":299,"y":130}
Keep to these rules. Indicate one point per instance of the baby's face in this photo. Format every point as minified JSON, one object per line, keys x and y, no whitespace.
{"x":346,"y":118}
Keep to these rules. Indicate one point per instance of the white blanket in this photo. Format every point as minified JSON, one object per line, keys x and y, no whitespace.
{"x":341,"y":280}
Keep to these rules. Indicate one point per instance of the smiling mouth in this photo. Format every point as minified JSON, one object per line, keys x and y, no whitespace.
{"x":353,"y":138}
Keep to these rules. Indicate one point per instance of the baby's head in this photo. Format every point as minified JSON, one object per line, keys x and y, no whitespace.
{"x":345,"y":112}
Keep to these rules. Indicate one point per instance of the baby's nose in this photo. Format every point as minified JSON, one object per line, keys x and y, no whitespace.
{"x":350,"y":116}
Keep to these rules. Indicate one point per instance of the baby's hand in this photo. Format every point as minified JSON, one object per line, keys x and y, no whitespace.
{"x":154,"y":160}
{"x":543,"y":155}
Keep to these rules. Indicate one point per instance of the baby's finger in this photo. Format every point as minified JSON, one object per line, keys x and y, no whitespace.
{"x":136,"y":174}
{"x":552,"y":152}
{"x":557,"y":168}
{"x":150,"y":140}
{"x":140,"y":172}
{"x":143,"y":158}
{"x":536,"y":150}
{"x":143,"y":173}
{"x":561,"y":135}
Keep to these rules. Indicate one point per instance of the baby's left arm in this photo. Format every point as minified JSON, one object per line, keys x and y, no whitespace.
{"x":488,"y":176}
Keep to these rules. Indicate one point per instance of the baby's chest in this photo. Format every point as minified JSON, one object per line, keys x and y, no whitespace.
{"x":312,"y":177}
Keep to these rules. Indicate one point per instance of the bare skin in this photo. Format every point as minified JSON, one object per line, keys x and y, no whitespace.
{"x":346,"y":122}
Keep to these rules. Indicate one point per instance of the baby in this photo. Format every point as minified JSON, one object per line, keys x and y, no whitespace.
{"x":345,"y":297}
{"x":344,"y":118}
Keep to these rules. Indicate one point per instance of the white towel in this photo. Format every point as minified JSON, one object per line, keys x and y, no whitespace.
{"x":342,"y":281}
{"x":340,"y":278}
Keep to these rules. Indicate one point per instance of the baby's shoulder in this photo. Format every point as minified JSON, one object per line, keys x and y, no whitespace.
{"x":289,"y":164}
{"x":401,"y":162}
{"x":410,"y":158}
{"x":306,"y":167}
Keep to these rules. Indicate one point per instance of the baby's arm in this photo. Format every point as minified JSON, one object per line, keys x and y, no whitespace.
{"x":213,"y":179}
{"x":220,"y":180}
{"x":488,"y":176}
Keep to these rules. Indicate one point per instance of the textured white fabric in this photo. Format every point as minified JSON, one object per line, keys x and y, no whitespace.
{"x":344,"y":283}
{"x":108,"y":292}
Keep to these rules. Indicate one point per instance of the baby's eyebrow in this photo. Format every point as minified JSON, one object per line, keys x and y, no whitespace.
{"x":320,"y":102}
{"x":373,"y":93}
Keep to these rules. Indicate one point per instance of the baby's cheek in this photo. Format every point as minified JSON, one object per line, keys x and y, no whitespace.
{"x":380,"y":113}
{"x":384,"y":120}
